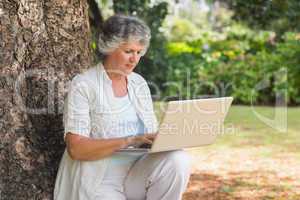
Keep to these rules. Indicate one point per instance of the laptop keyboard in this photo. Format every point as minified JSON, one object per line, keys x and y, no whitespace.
{"x":145,"y":146}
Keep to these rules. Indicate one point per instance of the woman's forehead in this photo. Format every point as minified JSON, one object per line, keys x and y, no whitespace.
{"x":132,"y":45}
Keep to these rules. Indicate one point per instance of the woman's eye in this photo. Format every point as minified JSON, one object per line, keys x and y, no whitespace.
{"x":131,"y":52}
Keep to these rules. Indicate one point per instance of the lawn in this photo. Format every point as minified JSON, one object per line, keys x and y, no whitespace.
{"x":251,"y":160}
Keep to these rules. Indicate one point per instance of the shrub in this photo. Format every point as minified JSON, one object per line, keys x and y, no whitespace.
{"x":252,"y":69}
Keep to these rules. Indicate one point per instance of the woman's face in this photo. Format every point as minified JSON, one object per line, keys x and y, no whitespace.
{"x":124,"y":59}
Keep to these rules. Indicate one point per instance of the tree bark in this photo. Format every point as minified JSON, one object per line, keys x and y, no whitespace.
{"x":43,"y":44}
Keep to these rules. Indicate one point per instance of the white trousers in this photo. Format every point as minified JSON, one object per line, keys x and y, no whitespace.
{"x":158,"y":176}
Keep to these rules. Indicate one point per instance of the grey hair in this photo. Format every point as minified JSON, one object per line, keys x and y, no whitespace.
{"x":119,"y":29}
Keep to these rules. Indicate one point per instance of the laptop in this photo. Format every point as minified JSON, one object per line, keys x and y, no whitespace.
{"x":188,"y":123}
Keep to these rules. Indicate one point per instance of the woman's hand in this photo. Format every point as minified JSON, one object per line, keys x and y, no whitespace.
{"x":140,"y":139}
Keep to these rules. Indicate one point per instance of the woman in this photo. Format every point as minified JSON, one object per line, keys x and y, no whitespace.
{"x":109,"y":107}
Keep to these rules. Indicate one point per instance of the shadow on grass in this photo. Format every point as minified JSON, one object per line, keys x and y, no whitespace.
{"x":258,"y":185}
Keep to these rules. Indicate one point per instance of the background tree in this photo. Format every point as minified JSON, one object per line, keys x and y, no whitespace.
{"x":43,"y":44}
{"x":277,"y":15}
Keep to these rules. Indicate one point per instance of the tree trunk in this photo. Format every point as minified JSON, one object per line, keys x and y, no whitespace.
{"x":43,"y":44}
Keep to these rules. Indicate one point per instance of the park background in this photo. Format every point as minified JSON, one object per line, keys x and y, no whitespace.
{"x":246,"y":49}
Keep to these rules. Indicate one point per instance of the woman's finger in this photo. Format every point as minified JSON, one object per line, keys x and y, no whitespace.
{"x":147,"y":140}
{"x":151,"y":136}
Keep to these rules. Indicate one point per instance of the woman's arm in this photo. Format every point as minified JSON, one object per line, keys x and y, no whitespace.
{"x":87,"y":149}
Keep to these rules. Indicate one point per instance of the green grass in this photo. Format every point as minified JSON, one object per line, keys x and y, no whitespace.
{"x":243,"y":128}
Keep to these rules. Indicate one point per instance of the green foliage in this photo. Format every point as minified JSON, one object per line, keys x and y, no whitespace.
{"x":193,"y":22}
{"x":247,"y":65}
{"x":176,"y":48}
{"x":289,"y":56}
{"x":276,"y":15}
{"x":182,"y":30}
{"x":230,"y":58}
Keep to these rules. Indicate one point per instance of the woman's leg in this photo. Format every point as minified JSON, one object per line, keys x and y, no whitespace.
{"x":109,"y":193}
{"x":159,"y":176}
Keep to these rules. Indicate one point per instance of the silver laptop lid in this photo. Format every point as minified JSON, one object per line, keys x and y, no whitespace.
{"x":191,"y":123}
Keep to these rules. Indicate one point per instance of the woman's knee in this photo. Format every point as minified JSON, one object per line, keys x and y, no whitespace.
{"x":180,"y":162}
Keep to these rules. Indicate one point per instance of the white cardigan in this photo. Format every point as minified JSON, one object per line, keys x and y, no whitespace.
{"x":86,"y":112}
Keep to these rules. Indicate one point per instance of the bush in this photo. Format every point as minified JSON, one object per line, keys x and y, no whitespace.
{"x":251,"y":66}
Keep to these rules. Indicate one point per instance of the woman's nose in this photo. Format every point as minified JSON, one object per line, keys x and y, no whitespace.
{"x":134,"y":58}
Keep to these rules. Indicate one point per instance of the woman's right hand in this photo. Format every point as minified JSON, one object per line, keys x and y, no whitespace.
{"x":141,"y":139}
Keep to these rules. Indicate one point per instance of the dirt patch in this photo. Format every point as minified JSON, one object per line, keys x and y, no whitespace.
{"x":243,"y":174}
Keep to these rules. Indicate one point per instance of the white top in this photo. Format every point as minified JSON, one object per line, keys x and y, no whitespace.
{"x":125,"y":119}
{"x":89,"y":112}
{"x":127,"y":123}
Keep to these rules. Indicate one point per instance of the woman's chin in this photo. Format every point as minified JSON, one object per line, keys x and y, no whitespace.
{"x":128,"y":71}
